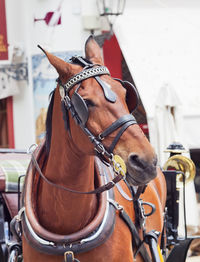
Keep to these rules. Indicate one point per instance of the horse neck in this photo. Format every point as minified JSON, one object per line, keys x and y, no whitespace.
{"x":69,"y":167}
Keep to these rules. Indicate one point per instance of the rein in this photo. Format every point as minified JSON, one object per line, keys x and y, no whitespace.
{"x":117,"y":169}
{"x":98,"y":190}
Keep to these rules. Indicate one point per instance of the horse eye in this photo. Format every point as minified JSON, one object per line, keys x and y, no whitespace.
{"x":89,"y":102}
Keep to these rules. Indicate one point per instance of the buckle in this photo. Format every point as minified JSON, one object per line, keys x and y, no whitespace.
{"x":68,"y":256}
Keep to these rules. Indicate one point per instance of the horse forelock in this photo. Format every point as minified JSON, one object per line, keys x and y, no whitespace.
{"x":49,"y":121}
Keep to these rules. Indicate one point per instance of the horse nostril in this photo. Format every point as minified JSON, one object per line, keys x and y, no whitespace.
{"x":155,"y":161}
{"x":135,"y":160}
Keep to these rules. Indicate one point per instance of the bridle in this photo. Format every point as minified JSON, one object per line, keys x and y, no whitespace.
{"x":79,"y":110}
{"x":80,"y":113}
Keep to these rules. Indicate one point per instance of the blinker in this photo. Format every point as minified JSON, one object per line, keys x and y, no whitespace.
{"x":132,"y":96}
{"x":80,"y":108}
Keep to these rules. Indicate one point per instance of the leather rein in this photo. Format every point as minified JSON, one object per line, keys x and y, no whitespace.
{"x":98,"y":190}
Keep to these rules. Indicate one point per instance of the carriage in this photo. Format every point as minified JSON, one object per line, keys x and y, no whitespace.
{"x":92,"y":190}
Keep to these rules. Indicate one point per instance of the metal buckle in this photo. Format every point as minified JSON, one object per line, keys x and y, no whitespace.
{"x":100,"y":137}
{"x":116,"y":205}
{"x":142,"y":213}
{"x":100,"y":148}
{"x":68,"y":253}
{"x":67,"y":102}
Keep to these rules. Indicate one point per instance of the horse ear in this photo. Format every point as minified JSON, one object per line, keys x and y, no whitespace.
{"x":63,"y":68}
{"x":93,"y":51}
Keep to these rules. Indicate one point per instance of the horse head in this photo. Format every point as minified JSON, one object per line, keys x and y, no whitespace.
{"x":101,"y":107}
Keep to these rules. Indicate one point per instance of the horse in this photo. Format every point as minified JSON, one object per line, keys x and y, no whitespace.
{"x":78,"y":197}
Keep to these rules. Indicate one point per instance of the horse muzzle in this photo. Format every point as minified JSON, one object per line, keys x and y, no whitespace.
{"x":140,"y":171}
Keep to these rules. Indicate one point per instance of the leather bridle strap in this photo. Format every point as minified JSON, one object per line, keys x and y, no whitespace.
{"x":136,"y":241}
{"x":124,"y":121}
{"x":130,"y":121}
{"x":93,"y":70}
{"x":118,"y":123}
{"x":121,"y":131}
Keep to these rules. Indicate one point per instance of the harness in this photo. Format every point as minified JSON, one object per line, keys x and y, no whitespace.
{"x":77,"y":106}
{"x":79,"y":242}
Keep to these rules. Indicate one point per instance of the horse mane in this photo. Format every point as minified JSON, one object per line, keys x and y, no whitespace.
{"x":49,"y":122}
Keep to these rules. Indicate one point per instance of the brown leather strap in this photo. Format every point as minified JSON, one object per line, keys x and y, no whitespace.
{"x":98,"y":190}
{"x":136,"y":241}
{"x":139,"y":191}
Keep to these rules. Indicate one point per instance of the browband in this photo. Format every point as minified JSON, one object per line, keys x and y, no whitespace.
{"x":85,"y":74}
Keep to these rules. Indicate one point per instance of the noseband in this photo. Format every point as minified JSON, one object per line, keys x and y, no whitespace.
{"x":79,"y":110}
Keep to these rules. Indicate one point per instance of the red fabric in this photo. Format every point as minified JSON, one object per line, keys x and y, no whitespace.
{"x":3,"y":32}
{"x":113,"y":57}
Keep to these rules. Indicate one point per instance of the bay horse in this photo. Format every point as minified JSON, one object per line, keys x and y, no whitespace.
{"x":75,"y":207}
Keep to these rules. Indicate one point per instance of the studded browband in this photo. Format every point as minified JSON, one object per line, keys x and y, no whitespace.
{"x":85,"y":74}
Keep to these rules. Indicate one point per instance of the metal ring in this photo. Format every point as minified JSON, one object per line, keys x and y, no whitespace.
{"x":153,"y":208}
{"x":32,"y":148}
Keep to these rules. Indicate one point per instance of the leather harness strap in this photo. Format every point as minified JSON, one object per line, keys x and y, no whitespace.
{"x":121,"y":131}
{"x":136,"y":241}
{"x":124,"y":122}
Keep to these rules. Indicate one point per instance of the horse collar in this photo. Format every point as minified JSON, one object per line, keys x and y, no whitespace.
{"x":79,"y":242}
{"x":93,"y":235}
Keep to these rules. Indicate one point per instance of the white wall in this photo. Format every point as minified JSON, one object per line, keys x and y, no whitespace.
{"x":160,"y":41}
{"x":17,"y":30}
{"x":23,"y":32}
